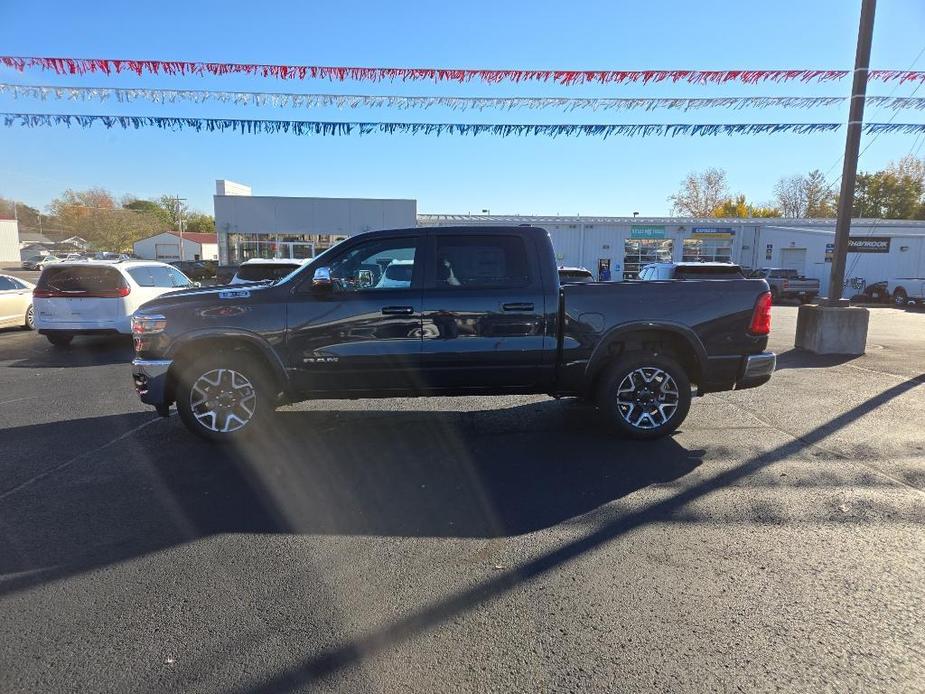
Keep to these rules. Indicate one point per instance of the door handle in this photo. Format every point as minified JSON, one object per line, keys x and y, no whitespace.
{"x":397,"y":310}
{"x":517,"y":307}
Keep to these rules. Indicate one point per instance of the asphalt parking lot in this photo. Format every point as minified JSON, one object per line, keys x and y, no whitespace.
{"x":478,"y":544}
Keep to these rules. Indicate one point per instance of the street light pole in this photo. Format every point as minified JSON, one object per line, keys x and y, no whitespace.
{"x":852,"y":145}
{"x":180,"y":223}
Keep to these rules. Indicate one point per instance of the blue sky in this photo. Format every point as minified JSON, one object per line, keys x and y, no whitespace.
{"x":447,"y":174}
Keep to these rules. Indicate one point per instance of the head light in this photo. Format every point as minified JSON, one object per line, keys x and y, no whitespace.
{"x":148,"y":324}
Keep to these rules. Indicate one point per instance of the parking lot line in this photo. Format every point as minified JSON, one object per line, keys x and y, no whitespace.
{"x":68,"y":463}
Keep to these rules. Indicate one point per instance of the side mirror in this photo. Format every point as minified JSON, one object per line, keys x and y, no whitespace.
{"x":322,"y":278}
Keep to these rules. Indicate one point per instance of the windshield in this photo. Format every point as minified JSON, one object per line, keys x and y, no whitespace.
{"x":256,"y":272}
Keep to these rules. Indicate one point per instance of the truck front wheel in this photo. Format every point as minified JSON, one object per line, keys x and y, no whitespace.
{"x":645,"y":396}
{"x":225,"y":396}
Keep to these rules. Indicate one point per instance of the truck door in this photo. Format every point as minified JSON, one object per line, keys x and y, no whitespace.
{"x":363,"y":332}
{"x":483,"y":314}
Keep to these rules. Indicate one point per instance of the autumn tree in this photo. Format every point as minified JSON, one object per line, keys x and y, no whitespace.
{"x":94,"y":215}
{"x":700,"y":194}
{"x":804,"y":196}
{"x":738,"y":207}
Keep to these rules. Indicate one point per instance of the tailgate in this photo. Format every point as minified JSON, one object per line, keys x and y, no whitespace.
{"x":78,"y":309}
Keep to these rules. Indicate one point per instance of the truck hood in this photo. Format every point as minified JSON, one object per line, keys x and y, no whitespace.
{"x":204,"y":295}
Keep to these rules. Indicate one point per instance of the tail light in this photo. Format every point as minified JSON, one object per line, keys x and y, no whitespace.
{"x":761,"y":316}
{"x":116,"y":293}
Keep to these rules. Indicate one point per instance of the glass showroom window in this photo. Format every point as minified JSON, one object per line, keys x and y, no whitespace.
{"x":637,"y":253}
{"x":708,"y":250}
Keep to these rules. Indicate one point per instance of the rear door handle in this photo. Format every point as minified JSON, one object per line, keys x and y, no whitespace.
{"x":517,"y":307}
{"x":397,"y":310}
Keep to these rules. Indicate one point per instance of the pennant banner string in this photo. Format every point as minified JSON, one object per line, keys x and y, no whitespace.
{"x":108,"y":66}
{"x":456,"y":103}
{"x":243,"y":126}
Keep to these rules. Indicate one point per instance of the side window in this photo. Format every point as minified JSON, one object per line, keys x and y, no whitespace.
{"x":178,"y":278}
{"x":482,"y":262}
{"x":376,"y":265}
{"x":646,"y":273}
{"x":664,"y":273}
{"x":6,"y":284}
{"x":151,"y":276}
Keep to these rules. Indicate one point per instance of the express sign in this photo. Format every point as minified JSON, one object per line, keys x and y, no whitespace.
{"x":869,"y":244}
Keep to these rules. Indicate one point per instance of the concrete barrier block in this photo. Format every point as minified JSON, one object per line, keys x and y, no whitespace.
{"x":832,"y":330}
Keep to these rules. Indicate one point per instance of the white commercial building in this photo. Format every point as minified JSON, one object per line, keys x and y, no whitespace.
{"x":166,"y":247}
{"x":254,"y":226}
{"x":9,"y":241}
{"x":272,"y":226}
{"x":879,"y":249}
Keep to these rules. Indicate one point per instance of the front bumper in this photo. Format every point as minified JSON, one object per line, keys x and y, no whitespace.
{"x":150,"y":376}
{"x":757,"y":370}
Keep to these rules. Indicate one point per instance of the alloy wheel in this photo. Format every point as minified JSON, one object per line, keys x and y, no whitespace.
{"x":223,"y":400}
{"x":647,"y":397}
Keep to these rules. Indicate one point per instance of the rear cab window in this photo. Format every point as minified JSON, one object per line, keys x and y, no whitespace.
{"x":708,"y":272}
{"x":81,"y":280}
{"x":482,"y":262}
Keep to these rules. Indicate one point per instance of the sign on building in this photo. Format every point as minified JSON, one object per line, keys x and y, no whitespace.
{"x":647,"y":231}
{"x":869,"y":244}
{"x":712,"y":232}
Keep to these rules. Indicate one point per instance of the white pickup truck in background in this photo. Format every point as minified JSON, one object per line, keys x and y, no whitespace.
{"x":905,"y":290}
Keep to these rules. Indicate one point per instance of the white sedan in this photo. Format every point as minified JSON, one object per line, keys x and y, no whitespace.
{"x":16,"y":302}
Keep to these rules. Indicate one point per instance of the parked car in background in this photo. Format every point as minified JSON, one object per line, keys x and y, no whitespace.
{"x":16,"y":302}
{"x":196,"y":270}
{"x":263,"y":269}
{"x":92,"y":297}
{"x":788,"y":284}
{"x":31,"y":263}
{"x":575,"y":275}
{"x":471,"y":311}
{"x":906,"y":290}
{"x":691,"y":271}
{"x":47,"y":260}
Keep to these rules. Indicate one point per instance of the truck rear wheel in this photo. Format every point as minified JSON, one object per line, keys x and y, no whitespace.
{"x":224,"y":397}
{"x":645,"y":395}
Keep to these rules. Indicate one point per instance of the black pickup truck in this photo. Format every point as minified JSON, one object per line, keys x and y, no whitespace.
{"x":448,"y":311}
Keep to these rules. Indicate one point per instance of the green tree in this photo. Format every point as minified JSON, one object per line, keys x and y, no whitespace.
{"x":804,"y":196}
{"x":199,"y":223}
{"x":896,"y":192}
{"x":150,"y":206}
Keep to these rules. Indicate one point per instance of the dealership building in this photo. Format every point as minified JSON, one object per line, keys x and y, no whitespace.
{"x":268,"y":226}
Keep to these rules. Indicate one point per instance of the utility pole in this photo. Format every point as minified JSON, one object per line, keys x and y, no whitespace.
{"x":179,"y":201}
{"x":852,"y":145}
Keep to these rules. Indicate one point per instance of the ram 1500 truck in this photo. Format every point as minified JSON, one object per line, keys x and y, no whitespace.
{"x":448,"y":311}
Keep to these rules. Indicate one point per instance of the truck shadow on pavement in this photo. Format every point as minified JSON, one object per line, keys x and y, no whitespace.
{"x":35,"y":352}
{"x":477,"y":474}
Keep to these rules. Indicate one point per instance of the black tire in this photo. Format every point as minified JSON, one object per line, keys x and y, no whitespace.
{"x":29,"y":323}
{"x":620,"y":408}
{"x":900,"y":298}
{"x":242,"y":392}
{"x":60,"y":340}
